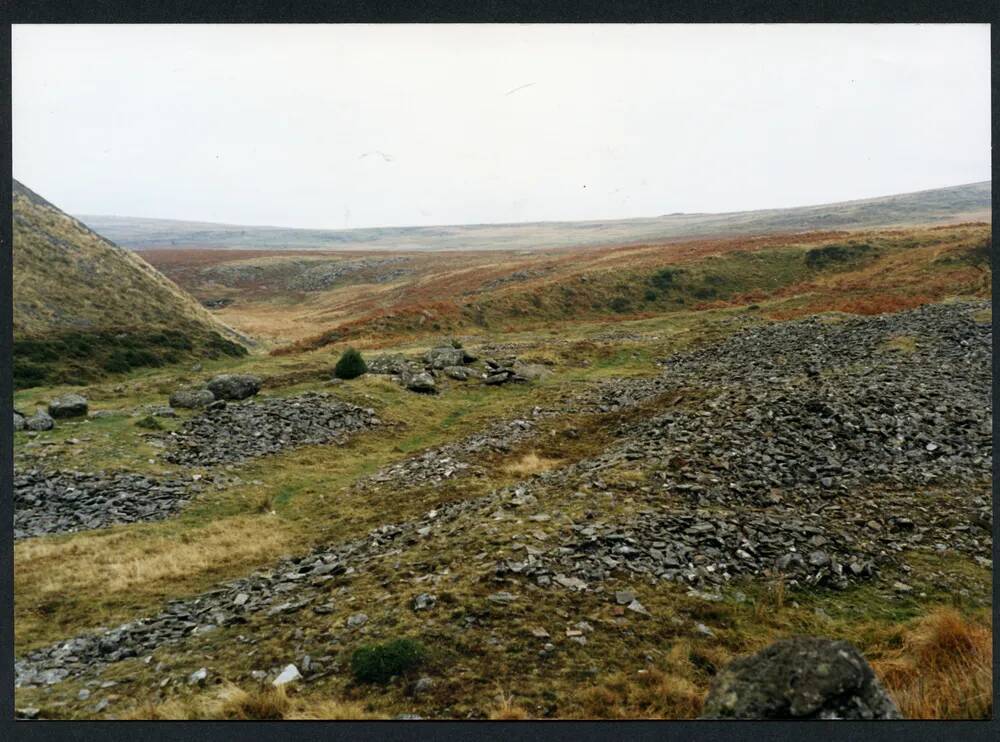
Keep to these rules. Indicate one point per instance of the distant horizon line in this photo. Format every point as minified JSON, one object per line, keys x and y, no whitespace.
{"x":533,"y":222}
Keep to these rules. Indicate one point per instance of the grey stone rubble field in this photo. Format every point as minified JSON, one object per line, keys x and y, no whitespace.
{"x":236,"y":432}
{"x":452,"y":460}
{"x":813,"y":533}
{"x":67,"y":501}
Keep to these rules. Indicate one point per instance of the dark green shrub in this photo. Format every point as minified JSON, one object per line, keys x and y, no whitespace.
{"x":149,"y":422}
{"x":650,"y":295}
{"x":381,"y":662}
{"x":823,"y":257}
{"x":620,"y":304}
{"x":664,"y":278}
{"x":350,"y":366}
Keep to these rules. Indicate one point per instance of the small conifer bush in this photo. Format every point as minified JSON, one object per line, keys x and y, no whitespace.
{"x":350,"y":366}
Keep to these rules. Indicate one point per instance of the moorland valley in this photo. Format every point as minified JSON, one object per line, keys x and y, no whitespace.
{"x":578,"y":470}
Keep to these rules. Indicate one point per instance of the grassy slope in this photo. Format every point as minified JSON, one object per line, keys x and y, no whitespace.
{"x":863,"y":272}
{"x":964,"y":202}
{"x":75,"y":293}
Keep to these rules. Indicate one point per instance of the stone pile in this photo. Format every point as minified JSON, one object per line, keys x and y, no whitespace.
{"x":228,"y":433}
{"x":452,"y":460}
{"x":67,"y":501}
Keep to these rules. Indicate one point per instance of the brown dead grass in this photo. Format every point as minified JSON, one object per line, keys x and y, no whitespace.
{"x":531,"y":463}
{"x":944,"y":669}
{"x":505,"y":708}
{"x":651,"y":693}
{"x":233,"y":703}
{"x":50,"y":571}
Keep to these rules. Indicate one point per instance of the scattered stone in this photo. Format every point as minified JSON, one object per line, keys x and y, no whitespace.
{"x":288,"y":675}
{"x":40,"y":421}
{"x":624,"y":597}
{"x":423,"y":685}
{"x":422,"y":383}
{"x":636,"y":607}
{"x":198,"y":677}
{"x":357,"y":620}
{"x":424,"y":601}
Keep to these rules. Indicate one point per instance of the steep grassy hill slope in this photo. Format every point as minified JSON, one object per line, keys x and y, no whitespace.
{"x":84,"y":306}
{"x":941,"y":205}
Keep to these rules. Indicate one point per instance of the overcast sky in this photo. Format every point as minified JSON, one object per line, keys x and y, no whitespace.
{"x":358,"y":126}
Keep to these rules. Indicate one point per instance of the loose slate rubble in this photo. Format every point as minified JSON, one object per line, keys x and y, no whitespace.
{"x":237,"y":432}
{"x":69,"y":501}
{"x":744,"y":496}
{"x":452,"y":460}
{"x":800,"y":678}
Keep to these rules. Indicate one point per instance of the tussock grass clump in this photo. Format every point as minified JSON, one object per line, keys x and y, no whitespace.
{"x":530,"y":463}
{"x":944,"y":669}
{"x":381,"y":662}
{"x":646,"y":694}
{"x":350,"y":365}
{"x":257,"y":704}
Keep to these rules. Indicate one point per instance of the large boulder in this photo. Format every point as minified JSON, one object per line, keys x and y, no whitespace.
{"x":191,"y":398}
{"x":444,"y":355}
{"x":234,"y":386}
{"x":18,"y":421}
{"x":422,"y":382}
{"x":800,"y":678}
{"x":39,"y":421}
{"x":394,"y":364}
{"x":68,"y":405}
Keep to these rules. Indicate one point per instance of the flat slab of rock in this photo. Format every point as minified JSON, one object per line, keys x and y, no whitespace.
{"x":68,"y":405}
{"x":191,"y":398}
{"x":234,"y":386}
{"x":800,"y":678}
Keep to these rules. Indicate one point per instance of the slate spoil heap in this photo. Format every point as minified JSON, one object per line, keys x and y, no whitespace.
{"x":228,"y":433}
{"x":63,"y":502}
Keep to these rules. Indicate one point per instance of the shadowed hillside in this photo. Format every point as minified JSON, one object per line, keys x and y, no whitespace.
{"x":968,"y":202}
{"x":84,"y":306}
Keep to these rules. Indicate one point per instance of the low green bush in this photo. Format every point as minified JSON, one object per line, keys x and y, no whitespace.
{"x":381,"y":662}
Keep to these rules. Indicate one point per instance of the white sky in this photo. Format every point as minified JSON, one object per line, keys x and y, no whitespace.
{"x":269,"y":124}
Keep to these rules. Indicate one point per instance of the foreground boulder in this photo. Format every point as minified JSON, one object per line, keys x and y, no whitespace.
{"x":69,"y":405}
{"x":39,"y":421}
{"x":800,"y":678}
{"x":191,"y":398}
{"x":234,"y":386}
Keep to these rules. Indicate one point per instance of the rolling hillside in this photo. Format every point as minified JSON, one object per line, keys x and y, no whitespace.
{"x":970,"y":202}
{"x":84,"y":307}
